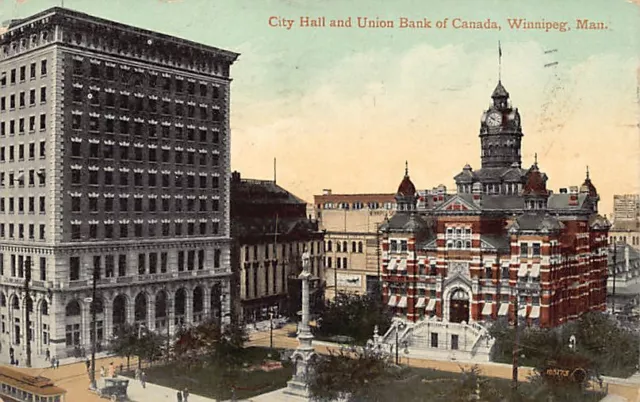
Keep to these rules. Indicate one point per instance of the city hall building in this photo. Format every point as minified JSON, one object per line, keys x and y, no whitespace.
{"x":114,"y":162}
{"x":503,"y":240}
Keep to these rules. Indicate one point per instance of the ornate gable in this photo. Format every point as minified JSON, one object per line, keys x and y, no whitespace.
{"x":457,"y":203}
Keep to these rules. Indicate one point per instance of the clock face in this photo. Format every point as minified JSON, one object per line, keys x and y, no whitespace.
{"x":494,"y":119}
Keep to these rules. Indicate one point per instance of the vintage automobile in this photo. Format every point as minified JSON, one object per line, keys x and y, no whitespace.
{"x":114,"y":389}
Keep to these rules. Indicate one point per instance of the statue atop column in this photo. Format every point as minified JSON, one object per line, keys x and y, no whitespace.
{"x":304,"y":354}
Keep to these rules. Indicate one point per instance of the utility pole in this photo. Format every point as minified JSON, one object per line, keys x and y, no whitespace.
{"x":615,"y":269}
{"x":379,"y":290}
{"x":516,"y":341}
{"x":27,"y":279}
{"x":93,"y":325}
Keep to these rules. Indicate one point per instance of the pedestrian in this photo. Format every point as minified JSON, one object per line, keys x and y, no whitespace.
{"x":112,"y":370}
{"x":57,"y":363}
{"x":143,"y":379}
{"x":88,"y":364}
{"x":47,"y":356}
{"x":185,"y":395}
{"x":179,"y":396}
{"x":137,"y":375}
{"x":121,"y":368}
{"x":17,"y":362}
{"x":103,"y":372}
{"x":53,"y":362}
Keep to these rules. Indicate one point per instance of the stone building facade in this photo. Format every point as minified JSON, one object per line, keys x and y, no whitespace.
{"x":114,"y":163}
{"x":504,"y":240}
{"x":351,"y":223}
{"x":271,"y":231}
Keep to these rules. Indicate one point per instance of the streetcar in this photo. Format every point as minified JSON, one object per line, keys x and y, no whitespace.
{"x":16,"y":386}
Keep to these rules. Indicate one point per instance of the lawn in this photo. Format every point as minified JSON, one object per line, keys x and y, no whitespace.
{"x":208,"y":381}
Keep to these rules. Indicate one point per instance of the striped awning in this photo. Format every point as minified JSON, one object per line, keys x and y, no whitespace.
{"x":522,"y":312}
{"x":535,"y":271}
{"x":393,"y":300}
{"x":403,"y":302}
{"x":421,"y":302}
{"x":487,"y":309}
{"x":523,"y":270}
{"x":392,"y":265}
{"x":431,"y":305}
{"x":535,"y":312}
{"x":403,"y":265}
{"x":504,"y":309}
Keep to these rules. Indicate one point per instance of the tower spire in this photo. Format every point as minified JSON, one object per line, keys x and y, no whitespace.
{"x":535,"y":160}
{"x":406,"y":168}
{"x":587,"y":172}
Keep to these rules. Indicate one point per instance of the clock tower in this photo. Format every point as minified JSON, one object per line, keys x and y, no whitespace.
{"x":500,"y":132}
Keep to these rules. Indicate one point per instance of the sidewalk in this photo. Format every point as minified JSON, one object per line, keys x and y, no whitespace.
{"x":154,"y":392}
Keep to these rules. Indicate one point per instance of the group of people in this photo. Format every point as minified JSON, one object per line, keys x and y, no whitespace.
{"x":103,"y":371}
{"x":55,"y":363}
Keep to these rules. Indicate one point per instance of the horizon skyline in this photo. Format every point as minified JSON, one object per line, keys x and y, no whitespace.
{"x":344,"y":108}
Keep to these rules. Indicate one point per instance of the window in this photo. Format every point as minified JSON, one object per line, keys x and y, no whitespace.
{"x":43,"y":121}
{"x":122,"y":265}
{"x":124,"y":230}
{"x":524,"y":250}
{"x":434,"y":339}
{"x":142,"y":264}
{"x":75,"y":232}
{"x":43,"y":67}
{"x":75,"y":204}
{"x":536,"y":249}
{"x":74,"y":268}
{"x":43,"y":94}
{"x":32,"y":97}
{"x":93,"y":231}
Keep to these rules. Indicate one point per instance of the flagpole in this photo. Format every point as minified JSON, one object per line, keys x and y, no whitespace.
{"x":499,"y":61}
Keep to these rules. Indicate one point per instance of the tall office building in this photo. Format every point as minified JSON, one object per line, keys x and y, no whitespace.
{"x":114,"y":162}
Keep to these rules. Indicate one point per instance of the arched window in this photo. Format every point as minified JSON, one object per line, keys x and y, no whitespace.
{"x":3,"y":300}
{"x":44,"y":308}
{"x":458,"y":244}
{"x":72,"y":309}
{"x":338,"y":246}
{"x":344,"y":247}
{"x":344,"y":263}
{"x":360,"y":247}
{"x":329,"y":246}
{"x":353,"y":247}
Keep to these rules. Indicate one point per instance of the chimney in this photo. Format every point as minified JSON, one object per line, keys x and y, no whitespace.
{"x":326,"y":191}
{"x":563,"y":190}
{"x":235,"y":177}
{"x":573,"y":190}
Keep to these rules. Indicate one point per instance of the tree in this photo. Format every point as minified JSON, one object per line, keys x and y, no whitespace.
{"x":124,"y":343}
{"x":353,"y":374}
{"x":354,"y":316}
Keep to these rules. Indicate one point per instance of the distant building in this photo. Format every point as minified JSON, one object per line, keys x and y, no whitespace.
{"x":351,"y":222}
{"x":503,"y":238}
{"x":270,"y":231}
{"x":626,"y":207}
{"x":626,"y":220}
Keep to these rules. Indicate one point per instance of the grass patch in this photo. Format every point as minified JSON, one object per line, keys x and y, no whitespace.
{"x":209,"y":381}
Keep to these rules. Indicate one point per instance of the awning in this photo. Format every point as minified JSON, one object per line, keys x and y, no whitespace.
{"x":431,"y":305}
{"x":504,"y":309}
{"x":403,"y":265}
{"x":487,"y":309}
{"x":403,"y":302}
{"x":393,"y":300}
{"x":392,"y":265}
{"x":523,"y":270}
{"x":535,"y":271}
{"x":535,"y":312}
{"x":522,"y":312}
{"x":421,"y":301}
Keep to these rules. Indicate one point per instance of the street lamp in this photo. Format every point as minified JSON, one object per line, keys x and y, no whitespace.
{"x":27,"y":279}
{"x":399,"y":327}
{"x":92,"y":304}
